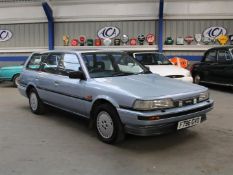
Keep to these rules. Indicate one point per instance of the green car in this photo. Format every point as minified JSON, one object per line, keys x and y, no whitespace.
{"x":11,"y":73}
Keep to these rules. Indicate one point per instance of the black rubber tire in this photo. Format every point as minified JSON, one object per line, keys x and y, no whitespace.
{"x":40,"y":105}
{"x":196,"y":79}
{"x":118,"y":131}
{"x":15,"y":80}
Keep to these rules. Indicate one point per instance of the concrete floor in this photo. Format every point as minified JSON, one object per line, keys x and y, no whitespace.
{"x":59,"y":143}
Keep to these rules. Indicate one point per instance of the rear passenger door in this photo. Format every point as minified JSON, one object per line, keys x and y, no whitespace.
{"x":47,"y":77}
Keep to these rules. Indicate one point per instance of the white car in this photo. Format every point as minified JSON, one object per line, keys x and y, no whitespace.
{"x":159,"y":64}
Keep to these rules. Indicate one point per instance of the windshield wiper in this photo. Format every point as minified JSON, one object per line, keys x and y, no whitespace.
{"x":121,"y":74}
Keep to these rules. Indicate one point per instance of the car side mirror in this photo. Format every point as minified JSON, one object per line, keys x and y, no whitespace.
{"x":77,"y":75}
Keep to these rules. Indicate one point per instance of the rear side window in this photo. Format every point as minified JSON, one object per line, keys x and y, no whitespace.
{"x":35,"y":61}
{"x":50,"y":64}
{"x":223,"y":56}
{"x":210,"y":56}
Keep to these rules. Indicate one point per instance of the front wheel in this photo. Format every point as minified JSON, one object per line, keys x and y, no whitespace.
{"x":36,"y":105}
{"x":108,"y":125}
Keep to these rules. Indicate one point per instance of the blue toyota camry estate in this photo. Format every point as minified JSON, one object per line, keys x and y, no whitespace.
{"x":115,"y":92}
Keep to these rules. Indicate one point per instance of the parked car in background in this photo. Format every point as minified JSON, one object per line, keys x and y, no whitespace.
{"x":216,"y":67}
{"x":11,"y":73}
{"x":116,"y":93}
{"x":159,"y":64}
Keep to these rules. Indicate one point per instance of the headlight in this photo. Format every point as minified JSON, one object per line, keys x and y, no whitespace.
{"x":204,"y":96}
{"x":153,"y":104}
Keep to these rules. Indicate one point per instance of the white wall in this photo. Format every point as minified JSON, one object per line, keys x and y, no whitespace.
{"x":115,"y":10}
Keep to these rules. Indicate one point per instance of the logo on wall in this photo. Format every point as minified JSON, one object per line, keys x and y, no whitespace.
{"x":107,"y":41}
{"x":133,"y":41}
{"x":141,"y":39}
{"x":214,"y":32}
{"x":108,"y":32}
{"x":5,"y":35}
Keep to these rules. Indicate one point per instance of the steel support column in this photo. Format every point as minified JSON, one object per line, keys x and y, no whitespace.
{"x":49,"y":13}
{"x":160,"y":36}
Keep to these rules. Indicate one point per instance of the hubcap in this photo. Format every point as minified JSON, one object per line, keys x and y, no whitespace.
{"x":105,"y":125}
{"x":33,"y":101}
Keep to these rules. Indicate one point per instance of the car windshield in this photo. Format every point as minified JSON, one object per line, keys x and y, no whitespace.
{"x":110,"y":64}
{"x":152,"y":59}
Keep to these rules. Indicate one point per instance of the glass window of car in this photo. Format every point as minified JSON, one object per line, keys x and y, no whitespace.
{"x":223,"y":56}
{"x":68,"y":63}
{"x":210,"y":56}
{"x":50,"y":64}
{"x":111,"y":64}
{"x":35,"y":61}
{"x":152,"y":59}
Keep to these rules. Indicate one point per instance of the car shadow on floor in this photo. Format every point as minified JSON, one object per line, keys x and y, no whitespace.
{"x":131,"y":142}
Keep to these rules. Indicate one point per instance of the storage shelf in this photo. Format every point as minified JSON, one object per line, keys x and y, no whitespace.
{"x":114,"y":48}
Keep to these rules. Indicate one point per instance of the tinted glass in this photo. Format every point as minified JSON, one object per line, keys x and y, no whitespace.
{"x":68,"y":63}
{"x":210,"y":56}
{"x":50,"y":64}
{"x":152,"y":59}
{"x":111,"y":64}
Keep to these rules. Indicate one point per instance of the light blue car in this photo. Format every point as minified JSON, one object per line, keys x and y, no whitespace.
{"x":11,"y":73}
{"x":115,"y":92}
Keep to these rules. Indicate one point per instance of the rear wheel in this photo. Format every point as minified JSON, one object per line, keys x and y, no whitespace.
{"x":36,"y":105}
{"x":197,"y":79}
{"x":108,"y":125}
{"x":16,"y":80}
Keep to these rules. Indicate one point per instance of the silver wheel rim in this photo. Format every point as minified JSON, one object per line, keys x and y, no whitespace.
{"x":33,"y":101}
{"x":197,"y":79}
{"x":17,"y":81}
{"x":105,"y":125}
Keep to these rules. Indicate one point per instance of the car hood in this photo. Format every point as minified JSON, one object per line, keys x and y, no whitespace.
{"x":150,"y":86}
{"x":165,"y":70}
{"x":11,"y":67}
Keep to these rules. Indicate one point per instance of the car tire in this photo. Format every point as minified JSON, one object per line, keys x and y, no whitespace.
{"x":108,"y":125}
{"x":16,"y":80}
{"x":196,"y":79}
{"x":35,"y":103}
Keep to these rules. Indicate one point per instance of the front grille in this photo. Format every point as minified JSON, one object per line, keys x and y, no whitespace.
{"x":186,"y":112}
{"x":175,"y":76}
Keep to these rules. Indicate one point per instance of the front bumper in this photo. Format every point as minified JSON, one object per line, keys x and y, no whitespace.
{"x":168,"y":118}
{"x":22,"y":90}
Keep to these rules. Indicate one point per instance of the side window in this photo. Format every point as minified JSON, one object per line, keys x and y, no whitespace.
{"x":35,"y":61}
{"x":50,"y":64}
{"x":223,"y":56}
{"x":210,"y":56}
{"x":68,"y":63}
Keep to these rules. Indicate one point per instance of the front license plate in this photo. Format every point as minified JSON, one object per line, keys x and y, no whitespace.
{"x":187,"y":123}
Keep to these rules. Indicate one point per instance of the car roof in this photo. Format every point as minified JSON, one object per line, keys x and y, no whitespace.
{"x":222,"y":47}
